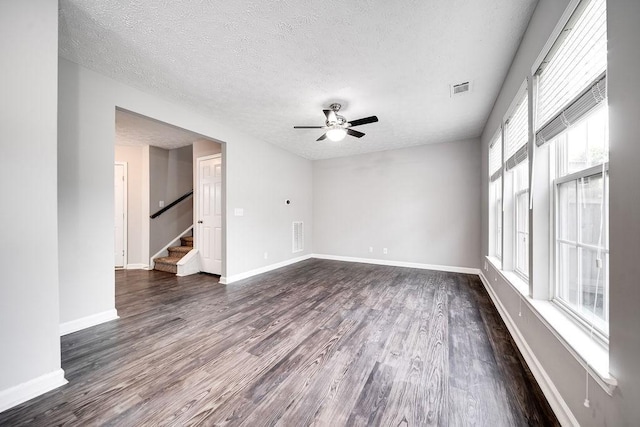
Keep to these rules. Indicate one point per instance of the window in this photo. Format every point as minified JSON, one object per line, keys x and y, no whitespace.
{"x":495,"y":194}
{"x":572,"y":115}
{"x":516,"y":153}
{"x":521,"y":213}
{"x":581,"y":234}
{"x":497,"y":217}
{"x":555,"y":133}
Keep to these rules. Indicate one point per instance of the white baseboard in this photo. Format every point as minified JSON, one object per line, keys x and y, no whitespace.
{"x":137,"y":267}
{"x":88,"y":321}
{"x":230,"y":279}
{"x":557,"y":403}
{"x":451,"y":269}
{"x":33,"y":388}
{"x":466,"y":270}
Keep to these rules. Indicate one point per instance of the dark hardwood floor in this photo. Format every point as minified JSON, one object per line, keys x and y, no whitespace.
{"x":319,"y":342}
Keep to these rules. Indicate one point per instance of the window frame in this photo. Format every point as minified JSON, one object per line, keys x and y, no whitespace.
{"x":513,"y":160}
{"x":590,"y":323}
{"x":523,"y":273}
{"x":496,"y":189}
{"x":497,"y":217}
{"x":596,"y":88}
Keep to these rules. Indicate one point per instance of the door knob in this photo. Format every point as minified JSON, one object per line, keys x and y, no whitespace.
{"x":200,"y":222}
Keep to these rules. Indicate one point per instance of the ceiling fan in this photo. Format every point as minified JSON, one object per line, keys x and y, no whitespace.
{"x":338,"y":127}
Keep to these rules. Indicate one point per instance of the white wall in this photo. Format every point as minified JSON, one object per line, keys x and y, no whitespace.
{"x":622,"y":408}
{"x":170,"y":177}
{"x":258,"y":177}
{"x":28,"y":218}
{"x":421,"y":203}
{"x":133,"y":156}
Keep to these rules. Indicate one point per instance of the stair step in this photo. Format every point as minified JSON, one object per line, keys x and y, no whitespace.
{"x":167,"y":263}
{"x":179,"y":251}
{"x":187,"y":241}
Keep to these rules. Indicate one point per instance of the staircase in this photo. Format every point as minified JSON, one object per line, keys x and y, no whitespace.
{"x":170,"y":263}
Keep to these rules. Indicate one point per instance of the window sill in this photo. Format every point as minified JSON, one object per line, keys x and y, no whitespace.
{"x":589,"y":352}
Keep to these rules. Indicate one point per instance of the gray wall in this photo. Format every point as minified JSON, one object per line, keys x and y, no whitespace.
{"x":422,"y":203}
{"x":170,"y":177}
{"x":28,"y":218}
{"x":566,"y":373}
{"x":203,"y":147}
{"x":624,"y":132}
{"x":267,"y":177}
{"x":258,"y":178}
{"x":133,"y":156}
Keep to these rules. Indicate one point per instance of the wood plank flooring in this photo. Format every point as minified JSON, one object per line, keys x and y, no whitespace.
{"x":320,"y":342}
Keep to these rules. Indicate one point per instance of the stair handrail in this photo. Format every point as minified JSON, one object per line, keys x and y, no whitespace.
{"x":170,"y":205}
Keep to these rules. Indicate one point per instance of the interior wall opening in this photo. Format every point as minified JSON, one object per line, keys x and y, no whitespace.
{"x":159,"y":207}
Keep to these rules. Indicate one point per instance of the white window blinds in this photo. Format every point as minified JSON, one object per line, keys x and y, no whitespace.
{"x":575,"y":63}
{"x":517,"y":133}
{"x":585,"y":102}
{"x":495,"y":156}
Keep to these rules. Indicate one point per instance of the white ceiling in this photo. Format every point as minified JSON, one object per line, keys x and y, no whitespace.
{"x":265,"y":66}
{"x":135,"y":130}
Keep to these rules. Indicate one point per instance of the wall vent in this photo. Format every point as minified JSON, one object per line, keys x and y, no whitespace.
{"x":460,"y":88}
{"x":298,"y":236}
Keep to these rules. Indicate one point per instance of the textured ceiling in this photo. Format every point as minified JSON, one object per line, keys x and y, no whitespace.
{"x":136,"y":130}
{"x":265,"y":66}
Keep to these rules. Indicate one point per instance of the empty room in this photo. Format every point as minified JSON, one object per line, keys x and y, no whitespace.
{"x":320,"y":213}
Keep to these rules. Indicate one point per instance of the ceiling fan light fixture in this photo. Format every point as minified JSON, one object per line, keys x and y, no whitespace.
{"x":336,"y":134}
{"x":337,"y":126}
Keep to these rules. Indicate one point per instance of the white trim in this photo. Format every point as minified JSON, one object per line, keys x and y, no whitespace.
{"x":227,"y":280}
{"x":165,"y":251}
{"x":196,"y":206}
{"x":137,"y":267}
{"x":588,"y":353}
{"x":125,"y":209}
{"x":20,"y":393}
{"x":189,"y":264}
{"x":465,"y":270}
{"x":88,"y":321}
{"x":451,"y":269}
{"x":145,"y":228}
{"x":557,"y":403}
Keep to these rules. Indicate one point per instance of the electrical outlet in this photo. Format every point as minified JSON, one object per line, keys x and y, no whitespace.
{"x":266,"y":255}
{"x":486,"y":266}
{"x":161,"y":204}
{"x":385,"y":251}
{"x":370,"y":249}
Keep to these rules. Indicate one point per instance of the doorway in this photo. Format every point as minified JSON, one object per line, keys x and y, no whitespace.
{"x":209,"y":209}
{"x":156,"y":177}
{"x":120,"y":214}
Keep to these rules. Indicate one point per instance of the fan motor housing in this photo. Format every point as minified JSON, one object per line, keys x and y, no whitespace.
{"x":340,"y":120}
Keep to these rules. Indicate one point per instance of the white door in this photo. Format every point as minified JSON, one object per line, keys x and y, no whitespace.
{"x":120,"y":192}
{"x":209,"y":214}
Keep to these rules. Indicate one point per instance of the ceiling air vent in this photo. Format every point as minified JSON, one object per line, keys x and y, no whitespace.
{"x":460,"y":88}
